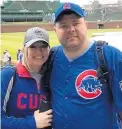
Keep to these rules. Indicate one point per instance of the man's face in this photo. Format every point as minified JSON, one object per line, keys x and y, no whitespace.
{"x":71,"y":31}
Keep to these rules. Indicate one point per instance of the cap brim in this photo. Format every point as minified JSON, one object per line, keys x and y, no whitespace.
{"x":29,"y":43}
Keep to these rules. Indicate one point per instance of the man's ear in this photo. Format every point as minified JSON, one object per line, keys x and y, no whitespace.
{"x":86,"y":23}
{"x":54,"y":28}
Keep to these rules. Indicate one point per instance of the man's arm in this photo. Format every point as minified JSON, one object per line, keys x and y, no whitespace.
{"x":120,"y":115}
{"x":114,"y":62}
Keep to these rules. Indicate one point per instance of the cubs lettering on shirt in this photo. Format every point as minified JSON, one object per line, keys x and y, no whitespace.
{"x":33,"y":100}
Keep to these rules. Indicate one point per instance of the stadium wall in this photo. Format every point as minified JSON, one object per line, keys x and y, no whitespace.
{"x":49,"y":27}
{"x":107,"y":25}
{"x":23,"y":28}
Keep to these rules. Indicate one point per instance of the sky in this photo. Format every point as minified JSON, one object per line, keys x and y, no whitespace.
{"x":81,"y":2}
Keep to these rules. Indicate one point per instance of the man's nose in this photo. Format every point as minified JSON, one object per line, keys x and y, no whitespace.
{"x":71,"y":28}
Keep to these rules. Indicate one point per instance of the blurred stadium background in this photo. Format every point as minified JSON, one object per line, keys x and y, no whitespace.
{"x":18,"y":16}
{"x":43,"y":11}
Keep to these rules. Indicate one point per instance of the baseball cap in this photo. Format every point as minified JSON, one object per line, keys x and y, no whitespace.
{"x":36,"y":34}
{"x":71,"y":7}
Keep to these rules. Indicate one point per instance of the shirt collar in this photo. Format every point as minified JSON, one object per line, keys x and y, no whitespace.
{"x":22,"y":71}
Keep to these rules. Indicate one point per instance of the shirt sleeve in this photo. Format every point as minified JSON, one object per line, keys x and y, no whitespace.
{"x":117,"y":85}
{"x":114,"y":64}
{"x":12,"y":122}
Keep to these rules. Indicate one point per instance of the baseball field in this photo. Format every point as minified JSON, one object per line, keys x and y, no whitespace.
{"x":14,"y":41}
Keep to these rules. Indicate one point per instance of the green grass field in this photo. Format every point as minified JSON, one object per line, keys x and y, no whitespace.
{"x":13,"y":41}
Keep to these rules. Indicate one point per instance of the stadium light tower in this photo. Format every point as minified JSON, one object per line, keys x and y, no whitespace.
{"x":103,"y":12}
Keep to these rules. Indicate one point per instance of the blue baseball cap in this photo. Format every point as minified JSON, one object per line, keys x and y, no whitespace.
{"x":71,"y":7}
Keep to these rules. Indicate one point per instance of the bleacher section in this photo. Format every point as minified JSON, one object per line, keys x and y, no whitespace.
{"x":110,"y":14}
{"x":46,"y":6}
{"x":27,"y":11}
{"x":44,"y":11}
{"x":13,"y":16}
{"x":52,"y":5}
{"x":114,"y":13}
{"x":94,"y":16}
{"x":15,"y":6}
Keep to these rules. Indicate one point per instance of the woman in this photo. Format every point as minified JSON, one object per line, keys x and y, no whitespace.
{"x":21,"y":96}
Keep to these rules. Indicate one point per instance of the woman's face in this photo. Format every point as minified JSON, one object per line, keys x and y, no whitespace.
{"x":37,"y":54}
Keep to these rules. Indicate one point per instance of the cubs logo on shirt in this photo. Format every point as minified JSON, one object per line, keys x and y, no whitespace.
{"x":87,"y":84}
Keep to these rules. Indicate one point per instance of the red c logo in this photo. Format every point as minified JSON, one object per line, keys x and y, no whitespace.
{"x":81,"y":91}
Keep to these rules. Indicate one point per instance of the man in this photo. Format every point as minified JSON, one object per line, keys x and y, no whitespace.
{"x":6,"y":58}
{"x":79,"y":99}
{"x":18,"y":52}
{"x":20,"y":56}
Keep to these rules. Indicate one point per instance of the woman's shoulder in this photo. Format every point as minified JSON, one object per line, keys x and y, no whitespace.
{"x":7,"y":71}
